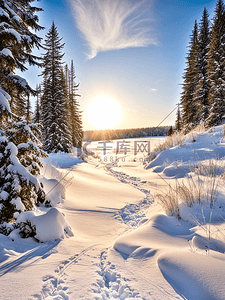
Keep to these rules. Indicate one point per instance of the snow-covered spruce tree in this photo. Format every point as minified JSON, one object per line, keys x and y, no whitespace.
{"x":190,"y":80}
{"x":24,"y":136}
{"x":56,"y":133}
{"x":19,"y":189}
{"x":201,"y":93}
{"x":216,"y":67}
{"x":75,"y":113}
{"x":18,"y":24}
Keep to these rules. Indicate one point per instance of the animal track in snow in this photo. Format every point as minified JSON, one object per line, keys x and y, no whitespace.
{"x":133,"y":214}
{"x":55,"y":286}
{"x":111,"y":284}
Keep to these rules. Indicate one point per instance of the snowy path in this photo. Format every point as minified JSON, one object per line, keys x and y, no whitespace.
{"x":132,"y":214}
{"x":106,"y":279}
{"x":101,"y":205}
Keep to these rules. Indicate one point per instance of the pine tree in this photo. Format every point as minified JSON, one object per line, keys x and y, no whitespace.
{"x":56,"y":133}
{"x":170,"y":131}
{"x":24,"y":136}
{"x":19,"y":189}
{"x":18,"y":24}
{"x":216,"y":67}
{"x":178,"y":124}
{"x":201,"y":93}
{"x":75,"y":114}
{"x":190,"y":78}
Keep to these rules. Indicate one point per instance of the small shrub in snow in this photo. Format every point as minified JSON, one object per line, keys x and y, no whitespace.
{"x":47,"y":227}
{"x":26,"y":229}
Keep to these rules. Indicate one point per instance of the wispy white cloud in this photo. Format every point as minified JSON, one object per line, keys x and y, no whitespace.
{"x":113,"y":24}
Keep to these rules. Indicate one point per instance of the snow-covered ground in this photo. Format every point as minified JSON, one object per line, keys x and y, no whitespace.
{"x":124,"y":245}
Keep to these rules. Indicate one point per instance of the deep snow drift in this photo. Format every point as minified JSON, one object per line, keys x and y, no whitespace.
{"x":113,"y":238}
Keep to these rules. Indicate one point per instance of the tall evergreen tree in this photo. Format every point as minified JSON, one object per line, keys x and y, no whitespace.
{"x":216,"y":67}
{"x":201,"y":93}
{"x":19,"y":189}
{"x":170,"y":131}
{"x":178,"y":124}
{"x":75,"y":114}
{"x":56,"y":133}
{"x":190,"y":78}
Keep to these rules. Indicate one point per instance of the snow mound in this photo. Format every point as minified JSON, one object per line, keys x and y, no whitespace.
{"x":159,"y":232}
{"x":49,"y":226}
{"x":64,"y":160}
{"x":203,"y":243}
{"x":193,"y":275}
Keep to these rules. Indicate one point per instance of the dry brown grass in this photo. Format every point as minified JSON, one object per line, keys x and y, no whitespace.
{"x":178,"y":138}
{"x":189,"y":191}
{"x":200,"y":187}
{"x":169,"y":202}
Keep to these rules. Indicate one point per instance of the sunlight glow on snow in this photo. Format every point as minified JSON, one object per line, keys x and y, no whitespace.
{"x":104,"y":112}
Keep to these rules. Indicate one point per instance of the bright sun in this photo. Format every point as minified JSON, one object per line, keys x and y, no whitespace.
{"x":104,"y":112}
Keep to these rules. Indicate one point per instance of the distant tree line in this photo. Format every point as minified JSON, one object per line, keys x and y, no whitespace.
{"x":203,"y":91}
{"x":98,"y":135}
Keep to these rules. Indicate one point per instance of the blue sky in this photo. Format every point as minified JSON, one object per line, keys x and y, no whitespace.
{"x":144,"y":80}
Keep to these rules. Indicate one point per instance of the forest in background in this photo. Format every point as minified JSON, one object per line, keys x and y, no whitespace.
{"x":113,"y":134}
